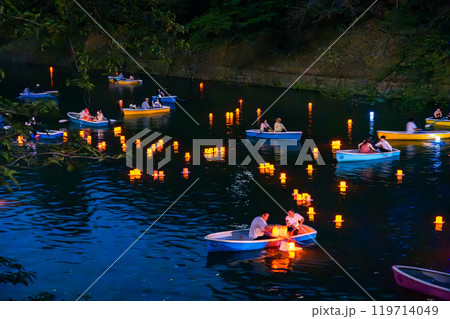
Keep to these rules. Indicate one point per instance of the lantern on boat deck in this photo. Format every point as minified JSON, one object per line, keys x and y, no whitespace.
{"x":89,"y":139}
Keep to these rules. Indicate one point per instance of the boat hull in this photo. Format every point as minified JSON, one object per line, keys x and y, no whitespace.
{"x":408,"y":281}
{"x":217,"y":242}
{"x":292,"y":135}
{"x":145,"y":112}
{"x":52,"y":135}
{"x":43,"y":95}
{"x":124,"y":81}
{"x":421,"y":135}
{"x":74,"y":119}
{"x":165,"y":99}
{"x":355,"y":156}
{"x":443,"y":122}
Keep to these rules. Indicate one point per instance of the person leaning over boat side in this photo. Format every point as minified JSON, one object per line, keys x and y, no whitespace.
{"x":145,"y":104}
{"x":84,"y":115}
{"x":265,"y":127}
{"x":259,"y":226}
{"x":157,"y":103}
{"x":99,"y":116}
{"x":411,"y":127}
{"x":278,"y":126}
{"x":366,"y":147}
{"x":383,"y":145}
{"x":293,"y":222}
{"x":437,"y":114}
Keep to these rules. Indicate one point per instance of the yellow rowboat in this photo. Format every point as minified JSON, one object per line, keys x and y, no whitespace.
{"x":124,"y":81}
{"x":443,"y":122}
{"x":146,"y":112}
{"x":420,"y":135}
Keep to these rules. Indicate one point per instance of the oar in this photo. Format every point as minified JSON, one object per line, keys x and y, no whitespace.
{"x":63,"y":121}
{"x":180,"y":99}
{"x":430,"y":125}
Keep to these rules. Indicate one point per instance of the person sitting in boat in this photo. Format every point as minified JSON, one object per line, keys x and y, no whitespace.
{"x":26,"y":90}
{"x":366,"y":147}
{"x":258,"y":227}
{"x":99,"y":116}
{"x":278,"y":126}
{"x":265,"y":127}
{"x":160,"y":93}
{"x":383,"y":145}
{"x":38,"y":89}
{"x":438,"y":114}
{"x":120,"y":77}
{"x":145,"y":104}
{"x":131,"y":78}
{"x":293,"y":222}
{"x":84,"y":115}
{"x":157,"y":103}
{"x":411,"y":127}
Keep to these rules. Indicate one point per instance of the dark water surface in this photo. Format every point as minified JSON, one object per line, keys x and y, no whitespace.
{"x":68,"y":228}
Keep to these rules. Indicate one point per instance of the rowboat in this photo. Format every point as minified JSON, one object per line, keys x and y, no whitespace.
{"x":48,"y":135}
{"x":238,"y":240}
{"x":124,"y":81}
{"x":356,"y":156}
{"x":443,"y":122}
{"x":419,"y":135}
{"x":145,"y":112}
{"x":75,"y":118}
{"x":289,"y":135}
{"x":429,"y":282}
{"x":165,"y":99}
{"x":32,"y":95}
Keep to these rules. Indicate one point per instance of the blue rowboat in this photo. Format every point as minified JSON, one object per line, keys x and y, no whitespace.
{"x":31,"y":95}
{"x":289,"y":135}
{"x":238,"y":240}
{"x":165,"y":99}
{"x":75,"y":118}
{"x":356,"y":156}
{"x":48,"y":135}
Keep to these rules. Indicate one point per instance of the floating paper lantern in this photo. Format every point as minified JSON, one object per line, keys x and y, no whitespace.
{"x":124,"y":147}
{"x":295,"y":193}
{"x":372,"y":116}
{"x":439,"y":220}
{"x":187,"y":156}
{"x":122,"y":139}
{"x":201,"y":86}
{"x":310,"y":104}
{"x":349,"y":121}
{"x":338,"y":219}
{"x":89,"y":139}
{"x":241,"y":101}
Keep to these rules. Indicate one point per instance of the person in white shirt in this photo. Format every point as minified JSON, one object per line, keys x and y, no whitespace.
{"x":278,"y":126}
{"x":265,"y":127}
{"x":145,"y":104}
{"x":293,"y":222}
{"x":411,"y":127}
{"x":258,"y":227}
{"x":383,"y":145}
{"x":157,"y":103}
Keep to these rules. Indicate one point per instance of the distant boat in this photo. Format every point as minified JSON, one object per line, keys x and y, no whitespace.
{"x":165,"y":99}
{"x":438,"y":122}
{"x":238,"y":240}
{"x":289,"y":135}
{"x":32,"y":95}
{"x":429,"y":282}
{"x":75,"y":118}
{"x":419,"y":135}
{"x":48,"y":135}
{"x":124,"y":81}
{"x":356,"y":156}
{"x":145,"y":112}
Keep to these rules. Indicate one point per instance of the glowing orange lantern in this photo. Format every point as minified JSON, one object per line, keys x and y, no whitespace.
{"x":187,"y":156}
{"x":241,"y":101}
{"x":295,"y":193}
{"x":201,"y":86}
{"x":89,"y":139}
{"x":338,"y":221}
{"x":349,"y":122}
{"x":336,"y":145}
{"x":121,"y":103}
{"x":82,"y":134}
{"x":310,"y":104}
{"x":399,"y":173}
{"x":122,"y":139}
{"x":124,"y":147}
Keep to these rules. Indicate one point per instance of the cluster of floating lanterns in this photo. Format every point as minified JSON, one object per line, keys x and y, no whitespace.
{"x":266,"y":168}
{"x":135,"y":174}
{"x":158,"y":175}
{"x":302,"y":198}
{"x":101,"y":145}
{"x":214,"y":153}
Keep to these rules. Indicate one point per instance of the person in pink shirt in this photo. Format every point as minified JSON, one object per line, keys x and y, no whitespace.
{"x":366,"y":147}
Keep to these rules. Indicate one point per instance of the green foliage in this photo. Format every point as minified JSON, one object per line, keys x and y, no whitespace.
{"x":12,"y":272}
